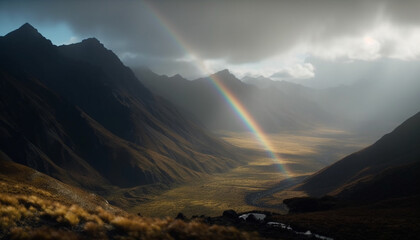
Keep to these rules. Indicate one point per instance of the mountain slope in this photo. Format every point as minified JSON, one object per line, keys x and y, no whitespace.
{"x":36,"y":206}
{"x":390,"y":161}
{"x":394,"y":182}
{"x":274,"y":110}
{"x":18,"y":179}
{"x":375,"y":192}
{"x":78,"y":114}
{"x":54,"y":137}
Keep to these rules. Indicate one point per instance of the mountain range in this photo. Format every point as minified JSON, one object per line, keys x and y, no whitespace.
{"x":75,"y":118}
{"x":273,"y":110}
{"x":384,"y":102}
{"x":76,"y":113}
{"x":280,"y":106}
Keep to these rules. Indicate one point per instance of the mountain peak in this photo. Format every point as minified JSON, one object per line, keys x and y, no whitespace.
{"x":92,"y":42}
{"x":26,"y":31}
{"x":28,"y":26}
{"x":224,"y":72}
{"x":177,"y":76}
{"x":27,"y":36}
{"x":225,"y":75}
{"x":227,"y":78}
{"x":93,"y":51}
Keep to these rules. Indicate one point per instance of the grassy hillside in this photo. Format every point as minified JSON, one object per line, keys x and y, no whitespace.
{"x":35,"y":206}
{"x":21,"y":180}
{"x":32,"y":217}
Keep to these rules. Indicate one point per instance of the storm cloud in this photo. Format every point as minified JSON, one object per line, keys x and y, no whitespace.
{"x":236,"y":34}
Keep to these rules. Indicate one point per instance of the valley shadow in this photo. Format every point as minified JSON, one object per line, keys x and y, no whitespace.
{"x":300,"y":168}
{"x":253,"y":199}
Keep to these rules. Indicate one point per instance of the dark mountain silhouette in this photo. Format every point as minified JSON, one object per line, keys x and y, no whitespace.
{"x":386,"y":169}
{"x":274,"y":110}
{"x":78,"y":114}
{"x":372,"y":194}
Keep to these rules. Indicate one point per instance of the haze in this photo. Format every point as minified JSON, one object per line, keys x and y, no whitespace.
{"x":279,"y":39}
{"x":209,"y":119}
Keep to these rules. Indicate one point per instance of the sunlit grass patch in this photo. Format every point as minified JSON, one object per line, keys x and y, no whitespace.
{"x":32,"y":217}
{"x":302,"y":154}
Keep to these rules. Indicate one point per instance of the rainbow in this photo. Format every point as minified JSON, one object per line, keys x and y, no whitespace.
{"x":228,"y":96}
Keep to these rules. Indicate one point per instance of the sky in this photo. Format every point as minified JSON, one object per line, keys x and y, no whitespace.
{"x":285,"y":40}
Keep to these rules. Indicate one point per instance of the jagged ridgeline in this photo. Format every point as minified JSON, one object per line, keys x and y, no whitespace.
{"x":79,"y":115}
{"x":274,"y":109}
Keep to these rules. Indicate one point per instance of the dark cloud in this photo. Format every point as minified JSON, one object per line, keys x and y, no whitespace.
{"x":235,"y":31}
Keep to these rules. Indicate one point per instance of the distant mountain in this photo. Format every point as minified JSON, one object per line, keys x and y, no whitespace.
{"x":286,"y":87}
{"x":261,"y":82}
{"x":381,"y":102}
{"x":78,"y":114}
{"x":389,"y":168}
{"x":275,"y":110}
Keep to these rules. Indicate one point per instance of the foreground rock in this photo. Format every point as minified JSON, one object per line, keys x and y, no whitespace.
{"x":264,"y":223}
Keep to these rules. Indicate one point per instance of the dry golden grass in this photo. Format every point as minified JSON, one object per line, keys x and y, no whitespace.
{"x":32,"y":217}
{"x":17,"y":179}
{"x":301,"y":154}
{"x":309,"y":143}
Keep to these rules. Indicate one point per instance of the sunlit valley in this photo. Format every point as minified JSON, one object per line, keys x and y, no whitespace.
{"x":135,"y":120}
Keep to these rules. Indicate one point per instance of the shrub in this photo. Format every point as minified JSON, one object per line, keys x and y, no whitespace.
{"x":32,"y":217}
